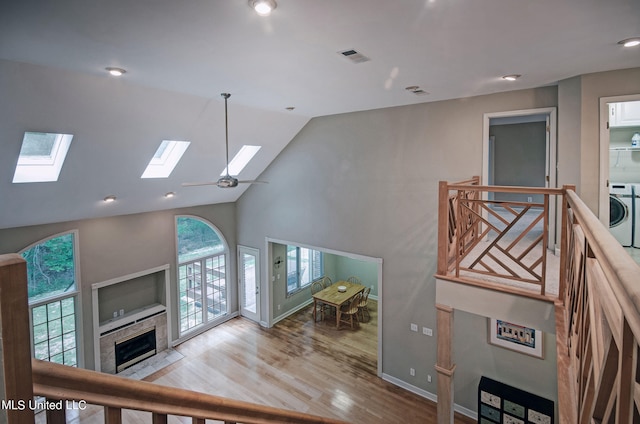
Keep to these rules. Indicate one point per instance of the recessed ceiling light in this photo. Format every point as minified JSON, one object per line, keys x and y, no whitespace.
{"x":110,"y":199}
{"x":263,"y":7}
{"x":116,"y":72}
{"x":169,"y":195}
{"x":512,"y":77}
{"x":630,"y":42}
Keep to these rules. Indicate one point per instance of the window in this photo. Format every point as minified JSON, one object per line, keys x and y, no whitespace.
{"x":202,"y":271}
{"x":165,"y":159}
{"x":53,"y":299}
{"x":303,"y":266}
{"x":41,"y":157}
{"x":240,"y":160}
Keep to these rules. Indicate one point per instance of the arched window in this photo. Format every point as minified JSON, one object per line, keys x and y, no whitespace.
{"x":53,"y":298}
{"x":202,"y":271}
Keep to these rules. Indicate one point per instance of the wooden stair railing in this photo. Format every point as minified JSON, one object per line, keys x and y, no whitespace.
{"x":602,"y":321}
{"x":60,"y":382}
{"x":21,"y":378}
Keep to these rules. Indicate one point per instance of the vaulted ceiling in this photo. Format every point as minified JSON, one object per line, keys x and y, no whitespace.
{"x":180,"y":55}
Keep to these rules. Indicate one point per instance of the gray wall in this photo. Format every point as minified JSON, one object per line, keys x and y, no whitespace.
{"x":579,"y":127}
{"x":122,"y":245}
{"x":369,"y":180}
{"x":519,"y":157}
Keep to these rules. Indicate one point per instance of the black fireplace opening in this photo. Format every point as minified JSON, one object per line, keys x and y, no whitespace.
{"x":135,"y":348}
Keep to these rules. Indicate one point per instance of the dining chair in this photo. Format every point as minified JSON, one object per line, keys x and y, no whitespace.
{"x":354,"y":280}
{"x":350,"y":311}
{"x":329,"y":309}
{"x":316,"y":286}
{"x":326,"y":281}
{"x":362,"y":306}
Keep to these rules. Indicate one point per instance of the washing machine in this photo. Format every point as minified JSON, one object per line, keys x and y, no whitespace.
{"x":621,"y":212}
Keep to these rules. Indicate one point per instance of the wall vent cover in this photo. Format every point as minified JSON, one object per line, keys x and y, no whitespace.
{"x":354,"y":56}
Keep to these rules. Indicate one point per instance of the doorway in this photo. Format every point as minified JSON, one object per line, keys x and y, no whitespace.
{"x":279,"y":307}
{"x":607,"y":160}
{"x":526,"y":154}
{"x":249,"y":282}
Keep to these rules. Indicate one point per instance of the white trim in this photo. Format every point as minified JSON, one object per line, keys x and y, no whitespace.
{"x":240,"y":249}
{"x":229,"y":277}
{"x":551,"y":156}
{"x":198,"y":331}
{"x":291,"y":312}
{"x":268,"y":271}
{"x":427,"y":395}
{"x":77,"y":294}
{"x":603,"y":186}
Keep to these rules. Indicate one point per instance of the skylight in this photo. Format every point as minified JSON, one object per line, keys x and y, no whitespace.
{"x":240,"y":160}
{"x":165,"y":159}
{"x":41,"y":157}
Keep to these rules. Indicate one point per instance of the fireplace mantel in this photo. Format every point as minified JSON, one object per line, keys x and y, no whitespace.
{"x":125,"y":302}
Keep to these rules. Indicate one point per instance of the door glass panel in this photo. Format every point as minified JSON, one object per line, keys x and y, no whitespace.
{"x":250,"y":288}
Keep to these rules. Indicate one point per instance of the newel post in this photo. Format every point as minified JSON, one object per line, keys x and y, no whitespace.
{"x":564,"y":243}
{"x":445,"y":366}
{"x":15,"y":346}
{"x":443,"y":227}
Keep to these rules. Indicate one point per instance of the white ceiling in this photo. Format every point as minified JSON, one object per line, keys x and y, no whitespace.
{"x":180,"y":55}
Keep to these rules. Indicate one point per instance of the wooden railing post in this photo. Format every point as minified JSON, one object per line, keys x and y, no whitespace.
{"x":445,"y":366}
{"x":564,"y":243}
{"x":443,"y":227}
{"x":15,"y":347}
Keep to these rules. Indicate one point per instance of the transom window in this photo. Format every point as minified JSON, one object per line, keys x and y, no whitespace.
{"x":303,"y":266}
{"x":202,"y":271}
{"x":53,"y":299}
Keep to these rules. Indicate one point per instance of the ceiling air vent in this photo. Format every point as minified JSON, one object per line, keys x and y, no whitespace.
{"x":416,"y":90}
{"x":354,"y":56}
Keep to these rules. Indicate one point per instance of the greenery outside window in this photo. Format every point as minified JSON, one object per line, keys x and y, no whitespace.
{"x":53,"y":299}
{"x":202,"y":270}
{"x":303,"y":266}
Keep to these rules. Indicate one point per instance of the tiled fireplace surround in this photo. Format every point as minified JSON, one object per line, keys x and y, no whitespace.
{"x":108,"y":341}
{"x":143,"y":297}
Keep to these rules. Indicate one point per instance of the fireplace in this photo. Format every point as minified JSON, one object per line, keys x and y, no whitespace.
{"x":135,"y":348}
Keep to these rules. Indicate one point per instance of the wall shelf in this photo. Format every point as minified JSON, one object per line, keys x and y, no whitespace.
{"x":130,"y":317}
{"x":127,"y":300}
{"x":624,"y":149}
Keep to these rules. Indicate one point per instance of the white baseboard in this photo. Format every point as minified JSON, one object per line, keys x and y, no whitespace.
{"x":291,"y":312}
{"x":427,"y":395}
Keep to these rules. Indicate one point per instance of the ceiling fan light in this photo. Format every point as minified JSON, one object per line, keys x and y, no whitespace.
{"x":110,"y":199}
{"x":263,"y":7}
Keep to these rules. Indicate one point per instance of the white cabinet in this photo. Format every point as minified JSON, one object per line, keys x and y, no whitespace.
{"x":624,"y":114}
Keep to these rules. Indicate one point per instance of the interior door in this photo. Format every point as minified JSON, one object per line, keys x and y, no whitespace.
{"x":249,"y":282}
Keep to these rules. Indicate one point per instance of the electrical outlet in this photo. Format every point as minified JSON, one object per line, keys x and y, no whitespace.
{"x":427,"y":331}
{"x":414,"y":327}
{"x":429,"y":378}
{"x":412,"y":372}
{"x":529,"y":199}
{"x":115,"y":314}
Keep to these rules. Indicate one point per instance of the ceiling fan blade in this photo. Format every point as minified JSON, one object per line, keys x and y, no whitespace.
{"x":252,"y":182}
{"x":200,"y":184}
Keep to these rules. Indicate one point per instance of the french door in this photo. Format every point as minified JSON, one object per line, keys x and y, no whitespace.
{"x":249,"y":282}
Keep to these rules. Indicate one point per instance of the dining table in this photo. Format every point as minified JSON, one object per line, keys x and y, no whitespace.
{"x":334,"y":296}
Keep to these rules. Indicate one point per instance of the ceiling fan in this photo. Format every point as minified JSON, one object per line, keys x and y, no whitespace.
{"x":226,"y":181}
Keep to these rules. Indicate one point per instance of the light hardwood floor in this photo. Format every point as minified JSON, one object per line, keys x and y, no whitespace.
{"x":297,"y":364}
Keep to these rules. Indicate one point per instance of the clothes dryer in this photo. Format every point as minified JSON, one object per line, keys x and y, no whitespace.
{"x":636,"y":215}
{"x":620,"y":212}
